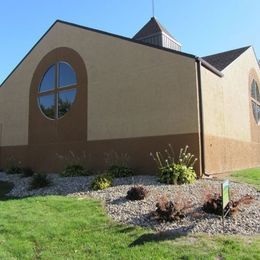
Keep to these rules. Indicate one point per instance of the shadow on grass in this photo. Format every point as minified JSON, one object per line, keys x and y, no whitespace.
{"x":5,"y":187}
{"x":161,"y":236}
{"x":127,"y":229}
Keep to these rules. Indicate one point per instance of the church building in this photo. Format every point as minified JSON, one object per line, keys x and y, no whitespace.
{"x":85,"y":91}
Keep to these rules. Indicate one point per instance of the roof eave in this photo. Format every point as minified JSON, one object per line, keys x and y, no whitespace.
{"x":27,"y":54}
{"x":97,"y":31}
{"x":210,"y":67}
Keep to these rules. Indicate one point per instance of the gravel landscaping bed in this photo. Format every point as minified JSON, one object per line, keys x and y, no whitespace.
{"x":246,"y":222}
{"x":59,"y":185}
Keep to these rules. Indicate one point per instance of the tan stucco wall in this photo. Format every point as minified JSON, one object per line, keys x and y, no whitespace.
{"x":228,"y":116}
{"x":133,"y":90}
{"x":213,"y":103}
{"x":226,"y":100}
{"x":150,"y":93}
{"x":237,"y":96}
{"x":14,"y":107}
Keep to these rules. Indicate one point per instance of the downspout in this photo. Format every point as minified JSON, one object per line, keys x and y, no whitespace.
{"x":201,"y":119}
{"x":200,"y":63}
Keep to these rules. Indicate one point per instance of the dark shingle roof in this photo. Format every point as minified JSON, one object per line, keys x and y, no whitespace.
{"x":221,"y":60}
{"x":151,"y":27}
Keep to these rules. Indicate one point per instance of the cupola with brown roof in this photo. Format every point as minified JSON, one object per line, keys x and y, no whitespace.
{"x":154,"y":33}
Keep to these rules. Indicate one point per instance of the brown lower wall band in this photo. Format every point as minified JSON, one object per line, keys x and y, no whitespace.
{"x":226,"y":155}
{"x":53,"y":157}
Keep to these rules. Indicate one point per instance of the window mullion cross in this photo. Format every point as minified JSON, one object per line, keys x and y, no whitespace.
{"x":55,"y":92}
{"x":46,"y":93}
{"x":256,"y":101}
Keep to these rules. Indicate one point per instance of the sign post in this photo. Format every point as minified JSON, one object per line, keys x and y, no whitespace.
{"x":225,"y":200}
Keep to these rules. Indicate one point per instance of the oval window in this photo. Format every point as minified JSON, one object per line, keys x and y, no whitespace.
{"x":57,"y":90}
{"x":255,"y":100}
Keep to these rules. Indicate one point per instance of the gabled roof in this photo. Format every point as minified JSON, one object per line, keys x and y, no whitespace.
{"x":221,"y":60}
{"x":151,"y":27}
{"x":101,"y":32}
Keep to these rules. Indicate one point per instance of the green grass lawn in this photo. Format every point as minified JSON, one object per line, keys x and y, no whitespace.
{"x":56,"y":227}
{"x":251,"y":176}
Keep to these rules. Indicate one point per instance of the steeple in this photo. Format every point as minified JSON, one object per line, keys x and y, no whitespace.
{"x":154,"y":33}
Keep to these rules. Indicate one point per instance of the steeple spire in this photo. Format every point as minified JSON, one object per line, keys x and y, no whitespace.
{"x":153,"y":7}
{"x":154,"y":33}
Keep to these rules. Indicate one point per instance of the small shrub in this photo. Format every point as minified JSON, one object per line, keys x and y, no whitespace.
{"x":117,"y":164}
{"x":175,"y":172}
{"x":167,"y":211}
{"x":14,"y":170}
{"x":137,"y":193}
{"x":13,"y":166}
{"x":168,"y":175}
{"x":120,"y":171}
{"x":27,"y":172}
{"x":74,"y":170}
{"x":39,"y":180}
{"x":102,"y":182}
{"x":185,"y":174}
{"x":213,"y":204}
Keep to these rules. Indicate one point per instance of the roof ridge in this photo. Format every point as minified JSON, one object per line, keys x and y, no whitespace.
{"x":162,"y":28}
{"x":126,"y":38}
{"x":237,"y":49}
{"x":151,"y":27}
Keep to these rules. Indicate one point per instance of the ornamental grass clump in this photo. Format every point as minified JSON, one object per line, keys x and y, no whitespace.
{"x":14,"y":170}
{"x":118,"y":171}
{"x":173,"y":171}
{"x":117,"y":164}
{"x":14,"y":167}
{"x":74,"y":170}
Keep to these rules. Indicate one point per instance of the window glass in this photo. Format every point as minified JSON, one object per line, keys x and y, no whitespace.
{"x":47,"y":105}
{"x":255,"y":101}
{"x":57,"y":101}
{"x":48,"y":81}
{"x":66,"y":98}
{"x":255,"y":91}
{"x":256,"y":112}
{"x":66,"y":75}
